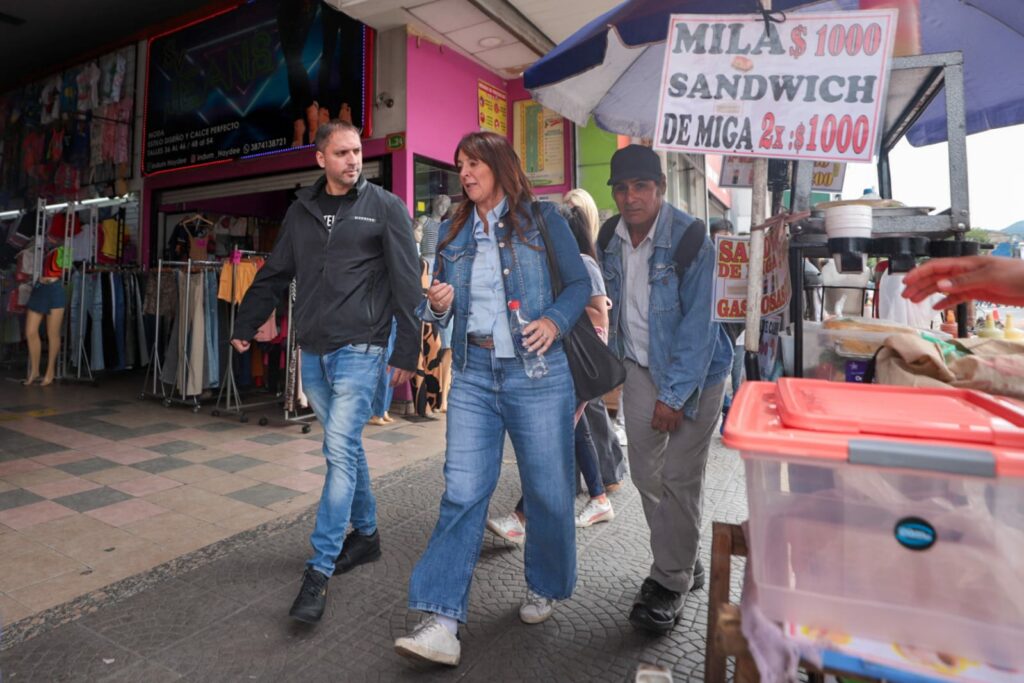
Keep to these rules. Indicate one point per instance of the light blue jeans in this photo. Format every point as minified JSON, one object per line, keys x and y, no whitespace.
{"x":385,"y":392}
{"x":340,"y":387}
{"x":490,"y":397}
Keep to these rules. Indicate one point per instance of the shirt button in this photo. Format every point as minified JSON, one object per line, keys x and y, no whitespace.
{"x":506,"y":271}
{"x":501,"y":224}
{"x":501,"y":244}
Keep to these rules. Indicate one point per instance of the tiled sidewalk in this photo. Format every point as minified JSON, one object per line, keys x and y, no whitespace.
{"x":220,"y":614}
{"x":97,"y":486}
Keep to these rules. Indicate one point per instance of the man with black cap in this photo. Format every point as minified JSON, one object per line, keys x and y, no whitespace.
{"x":658,"y":266}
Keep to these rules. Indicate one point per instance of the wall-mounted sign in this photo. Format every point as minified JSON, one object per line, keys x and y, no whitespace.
{"x":251,"y":81}
{"x":395,"y":142}
{"x":538,"y":135}
{"x":810,"y":87}
{"x":492,"y":108}
{"x":827,"y":176}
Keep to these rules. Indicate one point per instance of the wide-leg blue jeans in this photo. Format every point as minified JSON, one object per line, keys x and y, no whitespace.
{"x":340,"y":387}
{"x":490,"y":397}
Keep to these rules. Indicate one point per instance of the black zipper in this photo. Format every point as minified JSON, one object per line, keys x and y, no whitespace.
{"x":369,"y":309}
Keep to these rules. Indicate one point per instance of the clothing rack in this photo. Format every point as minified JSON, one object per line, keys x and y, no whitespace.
{"x":81,"y":358}
{"x":159,"y":390}
{"x":294,"y":416}
{"x":229,"y":398}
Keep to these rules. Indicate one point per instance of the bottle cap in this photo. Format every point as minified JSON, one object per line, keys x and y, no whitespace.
{"x":513,"y":305}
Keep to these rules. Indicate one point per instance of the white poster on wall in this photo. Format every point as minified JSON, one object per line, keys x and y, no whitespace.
{"x":827,"y":176}
{"x":810,"y":87}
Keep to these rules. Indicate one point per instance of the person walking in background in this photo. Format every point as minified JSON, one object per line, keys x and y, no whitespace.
{"x":610,"y":457}
{"x":659,"y":268}
{"x":348,"y":244}
{"x":385,"y":391}
{"x":724,"y":227}
{"x":512,"y":527}
{"x":491,"y":260}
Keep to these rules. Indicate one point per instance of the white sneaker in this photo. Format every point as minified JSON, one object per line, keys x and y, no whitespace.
{"x":535,"y":608}
{"x":594,"y":512}
{"x":431,"y":642}
{"x":508,"y":527}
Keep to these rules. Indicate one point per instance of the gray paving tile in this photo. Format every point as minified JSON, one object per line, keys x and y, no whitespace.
{"x":174,"y":447}
{"x":87,"y":466}
{"x":156,"y":428}
{"x":220,"y":426}
{"x":272,"y":439}
{"x":391,"y":437}
{"x":111,"y":403}
{"x":24,"y":408}
{"x":90,"y":500}
{"x":18,"y":497}
{"x":322,"y":469}
{"x":158,"y":465}
{"x":263,"y":495}
{"x":68,"y":653}
{"x":234,"y":463}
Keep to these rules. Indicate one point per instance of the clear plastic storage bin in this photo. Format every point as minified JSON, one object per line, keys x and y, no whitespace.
{"x":894,"y":513}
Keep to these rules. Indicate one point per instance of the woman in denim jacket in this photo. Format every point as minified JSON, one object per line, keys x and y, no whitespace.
{"x":489,"y":254}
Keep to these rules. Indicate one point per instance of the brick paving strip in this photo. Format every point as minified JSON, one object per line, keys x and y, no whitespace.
{"x":220,"y":613}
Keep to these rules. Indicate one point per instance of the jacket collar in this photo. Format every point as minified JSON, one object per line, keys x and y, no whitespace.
{"x":308,"y":195}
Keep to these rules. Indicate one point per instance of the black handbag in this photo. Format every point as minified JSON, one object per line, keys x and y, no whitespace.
{"x":595,"y":369}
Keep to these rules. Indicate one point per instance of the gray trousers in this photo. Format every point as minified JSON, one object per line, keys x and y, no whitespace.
{"x":668,"y":470}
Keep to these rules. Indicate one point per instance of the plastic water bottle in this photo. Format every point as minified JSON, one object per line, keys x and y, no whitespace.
{"x":533,"y":362}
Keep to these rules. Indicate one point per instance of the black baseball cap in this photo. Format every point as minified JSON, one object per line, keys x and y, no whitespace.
{"x":635,"y":162}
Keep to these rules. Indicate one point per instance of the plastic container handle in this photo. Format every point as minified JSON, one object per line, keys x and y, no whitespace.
{"x":948,"y":459}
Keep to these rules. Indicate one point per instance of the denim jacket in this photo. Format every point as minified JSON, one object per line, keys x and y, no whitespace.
{"x":526,"y":276}
{"x":687,"y":351}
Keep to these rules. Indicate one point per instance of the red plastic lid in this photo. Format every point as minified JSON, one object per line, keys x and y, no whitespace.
{"x":815,"y":418}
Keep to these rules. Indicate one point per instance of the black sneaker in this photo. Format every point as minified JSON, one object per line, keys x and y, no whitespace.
{"x":698,"y":576}
{"x":656,"y":608}
{"x":312,"y":599}
{"x":356,"y":550}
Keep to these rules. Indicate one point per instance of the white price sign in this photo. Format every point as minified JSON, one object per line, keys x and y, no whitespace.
{"x":810,"y":87}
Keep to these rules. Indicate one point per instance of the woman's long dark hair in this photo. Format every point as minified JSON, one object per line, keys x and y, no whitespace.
{"x":495,"y":151}
{"x":580,"y":229}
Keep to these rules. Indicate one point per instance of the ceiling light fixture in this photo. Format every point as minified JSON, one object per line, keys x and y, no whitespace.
{"x":490,"y":41}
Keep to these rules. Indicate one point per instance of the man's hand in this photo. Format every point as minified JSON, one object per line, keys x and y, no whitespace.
{"x":440,"y":296}
{"x":666,"y":419}
{"x":240,"y":345}
{"x":967,"y":278}
{"x":399,"y":376}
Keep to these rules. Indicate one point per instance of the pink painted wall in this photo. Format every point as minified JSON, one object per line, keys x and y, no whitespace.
{"x":442,"y":92}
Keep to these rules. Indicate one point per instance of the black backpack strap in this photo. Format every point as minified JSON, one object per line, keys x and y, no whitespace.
{"x":604,"y":235}
{"x":689,"y":245}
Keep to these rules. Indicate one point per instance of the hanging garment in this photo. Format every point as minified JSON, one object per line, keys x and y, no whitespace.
{"x":268,"y":330}
{"x":212,"y":331}
{"x":237,"y":278}
{"x":168,"y":293}
{"x":186,"y":352}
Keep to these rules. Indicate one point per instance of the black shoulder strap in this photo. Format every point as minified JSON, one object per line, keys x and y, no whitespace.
{"x":604,"y":235}
{"x":689,"y":245}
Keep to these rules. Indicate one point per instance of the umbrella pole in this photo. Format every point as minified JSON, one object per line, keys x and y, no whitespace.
{"x":755,"y":266}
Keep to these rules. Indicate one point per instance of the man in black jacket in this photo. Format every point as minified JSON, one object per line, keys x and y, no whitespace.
{"x":349,"y":244}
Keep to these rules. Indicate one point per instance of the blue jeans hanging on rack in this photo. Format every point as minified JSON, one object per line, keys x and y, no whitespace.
{"x":119,"y":307}
{"x":212,"y":360}
{"x":385,"y":392}
{"x":94,"y":304}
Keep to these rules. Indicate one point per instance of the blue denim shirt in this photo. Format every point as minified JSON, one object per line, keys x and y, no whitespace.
{"x":687,"y":350}
{"x":486,"y":292}
{"x":526,"y":276}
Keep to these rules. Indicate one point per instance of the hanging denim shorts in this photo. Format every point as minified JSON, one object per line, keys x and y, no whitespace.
{"x":46,"y":297}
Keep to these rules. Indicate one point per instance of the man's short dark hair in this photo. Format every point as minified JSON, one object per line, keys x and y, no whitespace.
{"x":723,"y":225}
{"x":326,"y":130}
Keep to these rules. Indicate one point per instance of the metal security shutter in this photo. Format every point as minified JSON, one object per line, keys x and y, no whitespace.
{"x":287,"y":181}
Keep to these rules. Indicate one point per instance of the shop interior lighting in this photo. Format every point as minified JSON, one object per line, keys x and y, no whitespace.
{"x":490,"y":41}
{"x":97,"y":202}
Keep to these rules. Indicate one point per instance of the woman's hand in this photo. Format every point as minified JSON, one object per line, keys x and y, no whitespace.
{"x":440,"y":296}
{"x":540,"y":335}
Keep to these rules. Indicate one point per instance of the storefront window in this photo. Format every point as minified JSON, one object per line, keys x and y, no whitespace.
{"x":432,"y":179}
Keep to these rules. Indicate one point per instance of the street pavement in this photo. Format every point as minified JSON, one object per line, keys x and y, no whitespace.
{"x":219,"y":613}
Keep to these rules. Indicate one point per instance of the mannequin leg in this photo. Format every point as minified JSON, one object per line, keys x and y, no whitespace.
{"x":32,"y":322}
{"x":54,"y":321}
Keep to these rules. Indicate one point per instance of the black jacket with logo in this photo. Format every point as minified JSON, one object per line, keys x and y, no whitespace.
{"x":350,"y":280}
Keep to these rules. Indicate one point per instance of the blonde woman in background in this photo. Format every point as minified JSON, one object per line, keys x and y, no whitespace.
{"x":581,"y":199}
{"x":609,"y":452}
